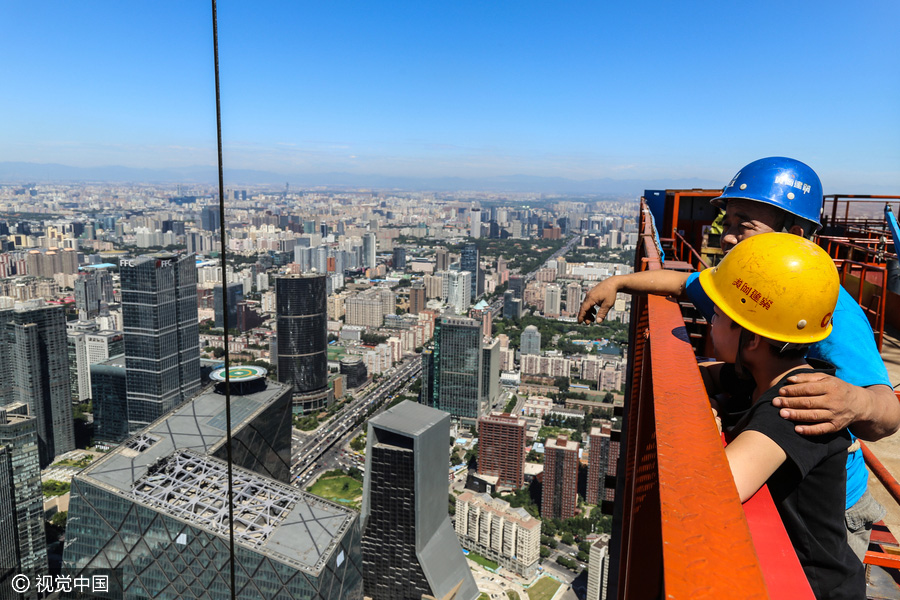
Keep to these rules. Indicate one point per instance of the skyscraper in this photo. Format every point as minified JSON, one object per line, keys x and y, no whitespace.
{"x":552,"y":301}
{"x":475,"y":223}
{"x":301,"y":324}
{"x":416,"y":298}
{"x":490,"y":372}
{"x":109,"y":391}
{"x":598,"y":571}
{"x":399,"y":258}
{"x":459,"y":291}
{"x":441,"y":259}
{"x":154,"y":508}
{"x":455,"y":367}
{"x":23,"y":546}
{"x":235,"y":295}
{"x":162,"y":337}
{"x":517,"y":285}
{"x":560,"y":485}
{"x":34,"y":362}
{"x":501,"y":449}
{"x":574,"y":297}
{"x":597,"y":463}
{"x":91,"y":289}
{"x":369,"y":245}
{"x":512,"y":306}
{"x":409,"y":547}
{"x":469,"y":261}
{"x":209,"y":218}
{"x":530,"y":341}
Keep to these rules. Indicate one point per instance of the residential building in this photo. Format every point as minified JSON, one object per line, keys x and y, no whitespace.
{"x":509,"y":536}
{"x":442,"y":259}
{"x":501,"y":449}
{"x":409,"y":548}
{"x":560,"y":480}
{"x":301,"y":323}
{"x":417,"y":298}
{"x":287,"y":543}
{"x":574,"y":298}
{"x":162,"y":336}
{"x":598,"y":460}
{"x":598,"y":571}
{"x":23,"y":546}
{"x":552,"y":301}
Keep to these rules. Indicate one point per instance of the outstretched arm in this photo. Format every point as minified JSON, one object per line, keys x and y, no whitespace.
{"x":603,"y":295}
{"x":822,"y":403}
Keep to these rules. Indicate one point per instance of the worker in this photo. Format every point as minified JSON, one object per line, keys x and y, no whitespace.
{"x":774,"y":295}
{"x":785,"y":195}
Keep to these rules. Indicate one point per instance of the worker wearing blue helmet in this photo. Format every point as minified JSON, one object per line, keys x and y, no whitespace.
{"x":783,"y":194}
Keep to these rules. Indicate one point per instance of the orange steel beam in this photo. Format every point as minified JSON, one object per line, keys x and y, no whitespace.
{"x":880,"y":559}
{"x":884,"y":476}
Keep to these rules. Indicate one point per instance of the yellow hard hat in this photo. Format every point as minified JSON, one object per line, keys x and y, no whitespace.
{"x":778,"y":285}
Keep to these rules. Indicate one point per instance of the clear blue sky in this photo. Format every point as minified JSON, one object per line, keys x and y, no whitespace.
{"x":579,"y":90}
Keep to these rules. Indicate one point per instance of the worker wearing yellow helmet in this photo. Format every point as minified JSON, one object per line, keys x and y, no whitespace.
{"x":779,"y":194}
{"x":774,"y":296}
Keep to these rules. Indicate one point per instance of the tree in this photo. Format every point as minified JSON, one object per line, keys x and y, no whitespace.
{"x":455,"y":459}
{"x":545,"y":551}
{"x":562,"y":383}
{"x":568,"y":538}
{"x":608,"y":398}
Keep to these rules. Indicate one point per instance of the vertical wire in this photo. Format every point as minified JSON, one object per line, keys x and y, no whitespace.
{"x":224,"y":305}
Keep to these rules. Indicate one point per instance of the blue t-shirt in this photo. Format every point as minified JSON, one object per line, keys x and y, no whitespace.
{"x":852,"y":353}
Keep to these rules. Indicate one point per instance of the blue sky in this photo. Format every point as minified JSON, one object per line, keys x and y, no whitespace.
{"x":578,"y":90}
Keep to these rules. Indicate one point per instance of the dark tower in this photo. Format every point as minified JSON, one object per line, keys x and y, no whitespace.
{"x":302,"y":339}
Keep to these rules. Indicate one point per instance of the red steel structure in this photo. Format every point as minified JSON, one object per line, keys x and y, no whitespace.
{"x":560,"y":478}
{"x":679,"y":528}
{"x":501,"y":449}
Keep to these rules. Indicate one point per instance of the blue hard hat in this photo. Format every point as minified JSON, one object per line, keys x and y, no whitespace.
{"x":785,"y":183}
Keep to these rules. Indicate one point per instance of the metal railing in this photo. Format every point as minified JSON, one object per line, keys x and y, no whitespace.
{"x":680,"y":528}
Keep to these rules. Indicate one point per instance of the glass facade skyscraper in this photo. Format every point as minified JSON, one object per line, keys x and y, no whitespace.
{"x":34,"y":364}
{"x":162,"y":337}
{"x":154,"y":508}
{"x":23,"y":547}
{"x":409,"y":547}
{"x":453,"y":370}
{"x":302,"y":322}
{"x":469,"y":261}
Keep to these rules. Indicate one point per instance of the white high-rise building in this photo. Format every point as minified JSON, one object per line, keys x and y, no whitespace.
{"x":598,"y":571}
{"x":459,"y":293}
{"x":552,"y":300}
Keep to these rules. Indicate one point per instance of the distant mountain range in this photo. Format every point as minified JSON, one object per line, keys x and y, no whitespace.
{"x":22,"y":172}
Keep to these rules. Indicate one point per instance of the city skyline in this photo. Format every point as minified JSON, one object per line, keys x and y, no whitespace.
{"x":579,"y":93}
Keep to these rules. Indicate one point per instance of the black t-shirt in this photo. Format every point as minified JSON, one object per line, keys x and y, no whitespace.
{"x":809,"y":491}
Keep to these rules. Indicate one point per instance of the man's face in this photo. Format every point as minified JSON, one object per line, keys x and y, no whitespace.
{"x":746,"y":218}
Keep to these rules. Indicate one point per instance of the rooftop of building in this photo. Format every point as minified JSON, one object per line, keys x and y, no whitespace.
{"x":500,"y":506}
{"x":169,"y":467}
{"x":504,"y":418}
{"x":561,"y":443}
{"x":410,"y":418}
